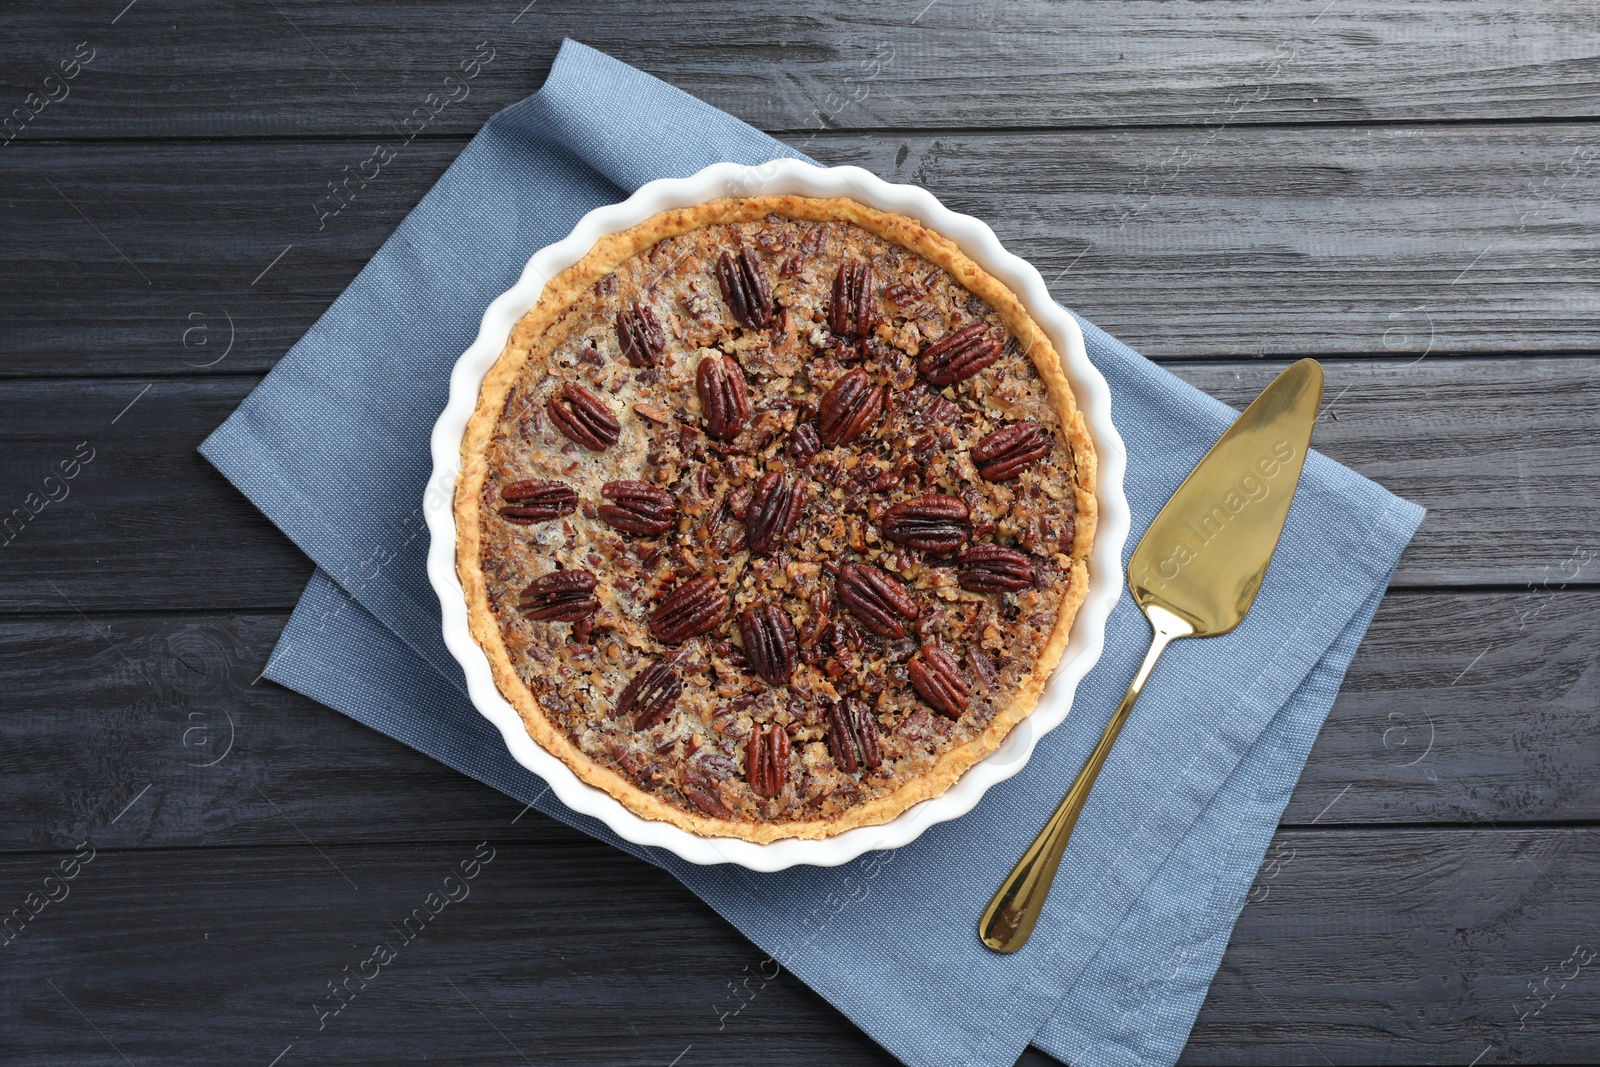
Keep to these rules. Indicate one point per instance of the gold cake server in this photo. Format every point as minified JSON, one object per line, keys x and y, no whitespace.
{"x":1194,"y":574}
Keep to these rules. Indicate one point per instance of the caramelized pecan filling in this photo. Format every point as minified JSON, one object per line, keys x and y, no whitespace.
{"x":775,"y":516}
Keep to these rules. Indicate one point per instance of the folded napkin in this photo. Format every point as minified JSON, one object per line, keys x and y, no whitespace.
{"x":333,"y":447}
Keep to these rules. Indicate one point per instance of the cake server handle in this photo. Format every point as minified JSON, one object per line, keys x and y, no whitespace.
{"x":1009,"y":919}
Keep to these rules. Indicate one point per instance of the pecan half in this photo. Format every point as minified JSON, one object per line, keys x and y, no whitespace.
{"x":659,"y":416}
{"x":738,"y":502}
{"x":583,"y":417}
{"x":744,"y":286}
{"x":767,"y":760}
{"x":821,"y":609}
{"x":531,"y":502}
{"x":930,"y":523}
{"x":958,"y":355}
{"x":853,"y":735}
{"x":560,"y":596}
{"x":852,"y":310}
{"x":769,"y":643}
{"x":693,"y":608}
{"x":848,"y":409}
{"x":938,"y":679}
{"x":879,"y":601}
{"x":724,"y":402}
{"x":815,"y":240}
{"x":652,"y":693}
{"x":638,"y":508}
{"x":803,"y":441}
{"x":702,"y":791}
{"x":982,"y":668}
{"x":640,"y":335}
{"x":994,"y":569}
{"x":901,"y":295}
{"x":1010,"y":450}
{"x":773,"y":511}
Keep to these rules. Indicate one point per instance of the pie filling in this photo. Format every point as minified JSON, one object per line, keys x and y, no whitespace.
{"x":775,"y":516}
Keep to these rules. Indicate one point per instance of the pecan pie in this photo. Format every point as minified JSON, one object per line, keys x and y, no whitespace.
{"x":773,"y":516}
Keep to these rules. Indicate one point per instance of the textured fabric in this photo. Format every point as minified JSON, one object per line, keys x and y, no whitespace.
{"x":333,"y":448}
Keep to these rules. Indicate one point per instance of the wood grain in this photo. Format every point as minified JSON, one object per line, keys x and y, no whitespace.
{"x":1412,"y":946}
{"x":1387,"y":241}
{"x":1504,"y":452}
{"x":564,"y":973}
{"x":1406,"y":190}
{"x":109,"y":705}
{"x":296,"y":66}
{"x":1484,"y":444}
{"x":1464,"y":708}
{"x":147,"y":522}
{"x":1392,"y":242}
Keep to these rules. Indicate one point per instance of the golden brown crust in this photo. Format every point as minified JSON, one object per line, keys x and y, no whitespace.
{"x":558,"y":295}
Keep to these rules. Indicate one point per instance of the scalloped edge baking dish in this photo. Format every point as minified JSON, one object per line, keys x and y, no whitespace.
{"x":979,"y":242}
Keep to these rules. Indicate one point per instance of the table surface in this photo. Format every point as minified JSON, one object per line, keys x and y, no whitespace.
{"x":1406,"y":191}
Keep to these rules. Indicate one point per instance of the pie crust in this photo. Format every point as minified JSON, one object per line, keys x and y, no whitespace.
{"x":538,"y":357}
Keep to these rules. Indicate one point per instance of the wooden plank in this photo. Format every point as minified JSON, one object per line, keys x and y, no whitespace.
{"x":162,"y":260}
{"x":101,"y":709}
{"x":107,"y":505}
{"x":1396,"y":243}
{"x":248,"y":943}
{"x":1464,"y":708}
{"x":1504,"y":452}
{"x":1421,"y":946}
{"x":1484,"y":444}
{"x":1392,"y":242}
{"x":361,"y":68}
{"x":1384,"y":946}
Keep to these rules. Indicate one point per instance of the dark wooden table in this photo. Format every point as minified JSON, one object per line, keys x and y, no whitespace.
{"x":1405,"y":190}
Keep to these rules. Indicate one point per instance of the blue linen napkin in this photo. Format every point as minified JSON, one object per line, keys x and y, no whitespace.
{"x":333,"y":448}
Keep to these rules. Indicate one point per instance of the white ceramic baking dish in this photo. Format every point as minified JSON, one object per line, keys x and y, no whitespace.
{"x":975,"y":239}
